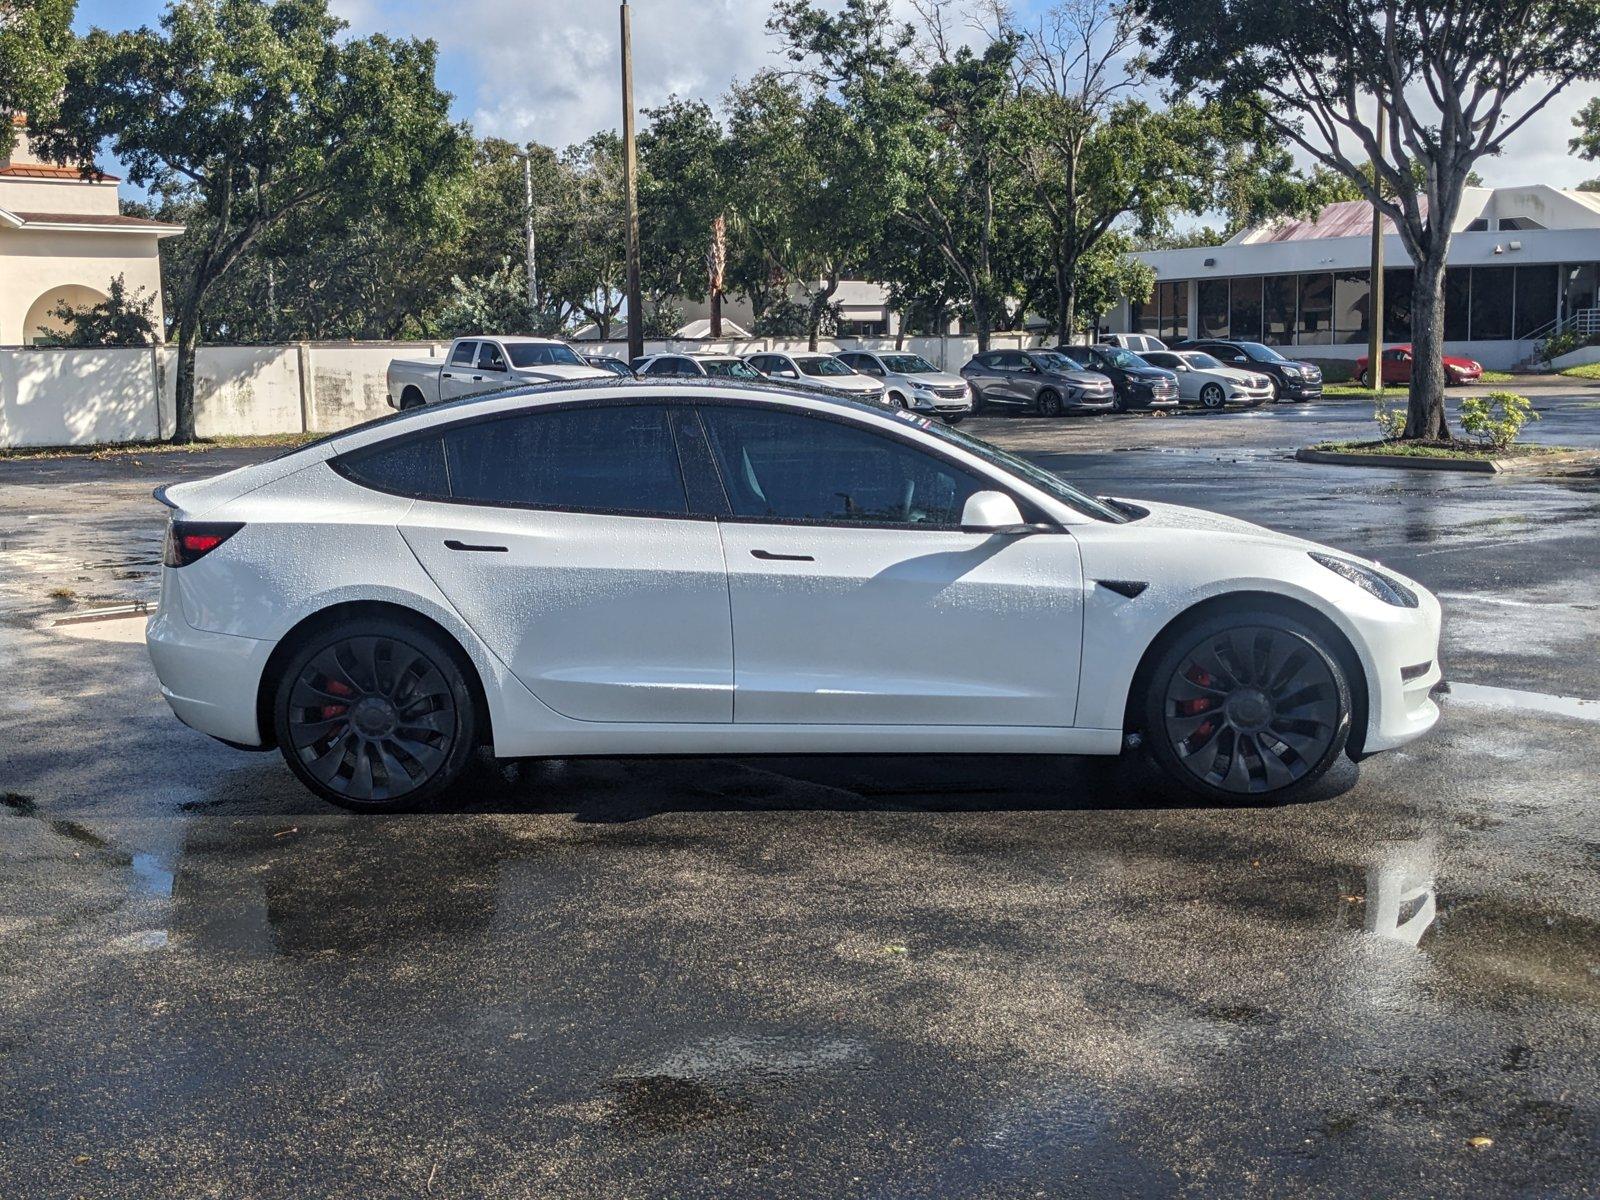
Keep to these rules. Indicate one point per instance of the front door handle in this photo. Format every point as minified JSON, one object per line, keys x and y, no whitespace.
{"x":452,"y":544}
{"x":769,"y":556}
{"x":446,"y":375}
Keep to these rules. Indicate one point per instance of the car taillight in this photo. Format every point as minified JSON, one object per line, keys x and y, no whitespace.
{"x":190,"y":541}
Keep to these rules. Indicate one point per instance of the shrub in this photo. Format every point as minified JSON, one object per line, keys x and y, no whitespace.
{"x":1496,"y":419}
{"x":120,"y":319}
{"x":1391,"y":421}
{"x":1557,"y":344}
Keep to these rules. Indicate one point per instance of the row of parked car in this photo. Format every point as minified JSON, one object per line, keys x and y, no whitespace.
{"x":1129,"y":372}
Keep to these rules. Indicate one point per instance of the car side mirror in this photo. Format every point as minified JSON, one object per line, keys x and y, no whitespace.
{"x":992,"y":512}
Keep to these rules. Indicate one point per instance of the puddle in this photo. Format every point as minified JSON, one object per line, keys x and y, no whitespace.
{"x":150,"y":878}
{"x":659,"y":1104}
{"x":1494,"y":697}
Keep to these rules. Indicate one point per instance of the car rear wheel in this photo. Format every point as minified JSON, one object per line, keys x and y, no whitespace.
{"x":1212,"y":396}
{"x":1246,"y":706}
{"x":411,"y":398}
{"x":375,"y":714}
{"x":1049,"y":403}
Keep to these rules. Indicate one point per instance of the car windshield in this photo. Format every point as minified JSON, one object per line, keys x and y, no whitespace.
{"x":1201,"y":362}
{"x":729,"y":368}
{"x":907,"y":364}
{"x":1261,"y":353}
{"x":1053,"y":360}
{"x":1051,"y":485}
{"x":822,"y":366}
{"x":542,"y":354}
{"x":1123,"y":360}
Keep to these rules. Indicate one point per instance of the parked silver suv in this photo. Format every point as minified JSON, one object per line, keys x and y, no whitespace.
{"x":1042,"y":380}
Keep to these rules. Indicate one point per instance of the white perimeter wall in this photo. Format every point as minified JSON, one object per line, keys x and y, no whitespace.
{"x":53,"y":397}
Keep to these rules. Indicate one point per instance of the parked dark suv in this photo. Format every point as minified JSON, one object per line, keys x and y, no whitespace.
{"x":1291,"y":379}
{"x":1138,"y":384}
{"x":1047,"y":382}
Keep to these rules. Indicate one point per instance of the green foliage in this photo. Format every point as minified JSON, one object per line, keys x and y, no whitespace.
{"x":257,"y":111}
{"x":35,"y":43}
{"x":1565,"y":342}
{"x":493,"y":303}
{"x":1496,"y":419}
{"x":118,"y":320}
{"x":1391,"y":421}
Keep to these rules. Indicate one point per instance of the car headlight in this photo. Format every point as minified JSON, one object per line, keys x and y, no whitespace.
{"x":1384,"y":587}
{"x":1292,"y":372}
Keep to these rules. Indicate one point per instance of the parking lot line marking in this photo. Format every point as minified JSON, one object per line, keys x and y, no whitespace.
{"x":1494,"y":697}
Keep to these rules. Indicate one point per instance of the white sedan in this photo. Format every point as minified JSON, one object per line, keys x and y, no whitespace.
{"x":811,"y":370}
{"x":710,"y":567}
{"x":1205,"y":381}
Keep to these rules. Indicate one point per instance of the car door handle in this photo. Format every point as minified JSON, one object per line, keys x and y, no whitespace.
{"x":769,"y":556}
{"x":446,"y":375}
{"x":452,"y":544}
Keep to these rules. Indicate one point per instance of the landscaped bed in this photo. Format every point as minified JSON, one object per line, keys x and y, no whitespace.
{"x":119,"y":449}
{"x":1455,"y":455}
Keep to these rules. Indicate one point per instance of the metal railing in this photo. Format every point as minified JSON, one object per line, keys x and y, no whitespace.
{"x":1584,"y":321}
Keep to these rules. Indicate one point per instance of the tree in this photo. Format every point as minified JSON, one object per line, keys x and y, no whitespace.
{"x":118,"y":320}
{"x":1457,"y":81}
{"x":682,"y":197}
{"x":259,"y":112}
{"x":35,"y":42}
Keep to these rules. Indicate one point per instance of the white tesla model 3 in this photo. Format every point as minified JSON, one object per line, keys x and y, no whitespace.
{"x":714,"y":567}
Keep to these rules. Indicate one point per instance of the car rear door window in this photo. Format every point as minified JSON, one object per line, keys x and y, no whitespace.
{"x":413,"y":467}
{"x":463,"y":354}
{"x":780,"y":465}
{"x":595,"y":459}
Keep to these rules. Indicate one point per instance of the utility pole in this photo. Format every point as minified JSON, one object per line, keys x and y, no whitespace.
{"x":630,"y":185}
{"x":532,"y":242}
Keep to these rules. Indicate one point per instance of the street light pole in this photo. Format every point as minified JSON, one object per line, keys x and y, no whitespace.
{"x":630,"y":170}
{"x":1375,"y":276}
{"x":532,"y":243}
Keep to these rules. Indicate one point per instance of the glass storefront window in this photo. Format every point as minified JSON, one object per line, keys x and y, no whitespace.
{"x":1213,"y":308}
{"x":1352,"y":301}
{"x":1582,"y":284}
{"x":1244,"y":309}
{"x":1316,"y":310}
{"x":1174,"y":310}
{"x":1536,"y":299}
{"x":1397,"y":305}
{"x":1278,"y":294}
{"x":1493,"y":291}
{"x":1457,"y":303}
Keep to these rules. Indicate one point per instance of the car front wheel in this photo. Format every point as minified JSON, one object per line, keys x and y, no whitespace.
{"x":1049,"y":404}
{"x":1246,"y":706}
{"x":1212,"y":396}
{"x":375,"y":714}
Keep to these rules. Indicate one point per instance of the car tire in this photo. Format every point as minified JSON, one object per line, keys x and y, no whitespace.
{"x":898,"y":400}
{"x":1213,"y":397}
{"x":369,"y":699}
{"x":1119,"y":402}
{"x":954,"y":419}
{"x":1250,"y":706}
{"x":1048,"y":403}
{"x":979,"y":404}
{"x":411,"y":398}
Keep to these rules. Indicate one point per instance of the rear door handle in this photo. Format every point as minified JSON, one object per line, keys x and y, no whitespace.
{"x":452,"y":544}
{"x":769,"y":556}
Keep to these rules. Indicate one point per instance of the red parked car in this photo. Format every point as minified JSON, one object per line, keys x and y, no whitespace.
{"x":1397,"y":367}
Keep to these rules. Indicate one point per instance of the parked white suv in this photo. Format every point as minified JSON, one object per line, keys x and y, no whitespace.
{"x":913,"y":382}
{"x":1139,"y":343}
{"x":811,"y":370}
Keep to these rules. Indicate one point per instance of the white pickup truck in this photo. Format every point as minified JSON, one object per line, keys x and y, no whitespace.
{"x":481,"y":364}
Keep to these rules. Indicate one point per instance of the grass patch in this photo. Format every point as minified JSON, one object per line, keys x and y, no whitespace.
{"x":1358,"y":392}
{"x":268,"y":441}
{"x":1453,"y":450}
{"x":1497,"y":377}
{"x":1586,"y":371}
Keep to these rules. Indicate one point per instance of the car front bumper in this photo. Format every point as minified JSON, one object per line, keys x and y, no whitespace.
{"x":1401,"y":661}
{"x":1300,"y":389}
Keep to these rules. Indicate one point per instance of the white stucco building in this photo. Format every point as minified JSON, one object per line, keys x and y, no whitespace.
{"x":62,"y":238}
{"x":1522,"y":260}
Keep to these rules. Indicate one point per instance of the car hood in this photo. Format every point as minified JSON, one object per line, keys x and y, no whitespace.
{"x":845,"y":383}
{"x":548,"y":371}
{"x":1198,"y":520}
{"x":937,"y":379}
{"x":1081,"y":378}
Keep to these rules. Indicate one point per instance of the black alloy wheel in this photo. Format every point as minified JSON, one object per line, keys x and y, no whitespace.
{"x":375,"y":715}
{"x":1247,"y":706}
{"x":1049,"y":403}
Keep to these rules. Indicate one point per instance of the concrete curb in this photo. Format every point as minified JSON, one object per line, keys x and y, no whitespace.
{"x":1476,"y":466}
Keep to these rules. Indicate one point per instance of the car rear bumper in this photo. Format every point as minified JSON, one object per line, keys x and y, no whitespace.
{"x":210,"y":680}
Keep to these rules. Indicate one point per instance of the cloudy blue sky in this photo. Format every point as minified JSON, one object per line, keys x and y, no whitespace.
{"x":547,"y":69}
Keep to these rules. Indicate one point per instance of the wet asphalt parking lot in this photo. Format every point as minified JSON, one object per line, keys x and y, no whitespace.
{"x":862,"y":977}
